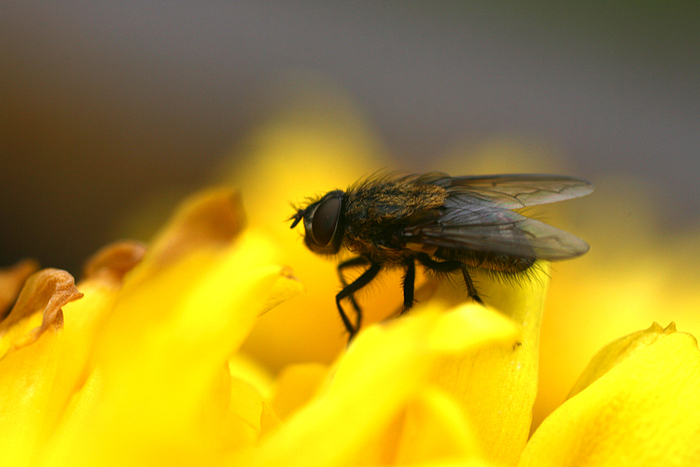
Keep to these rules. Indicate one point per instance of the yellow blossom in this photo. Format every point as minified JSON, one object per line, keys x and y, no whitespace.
{"x":139,"y":364}
{"x":137,"y":370}
{"x":164,"y":355}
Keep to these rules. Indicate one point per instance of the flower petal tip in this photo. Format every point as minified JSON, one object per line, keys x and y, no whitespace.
{"x":211,"y":218}
{"x":618,"y":351}
{"x":472,"y":325}
{"x":44,"y":292}
{"x":111,"y":263}
{"x":285,"y":287}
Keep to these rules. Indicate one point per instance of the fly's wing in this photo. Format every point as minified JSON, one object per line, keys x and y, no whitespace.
{"x":510,"y":191}
{"x":495,"y":230}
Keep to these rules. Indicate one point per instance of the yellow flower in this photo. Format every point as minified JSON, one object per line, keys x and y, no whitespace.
{"x":139,"y":364}
{"x":160,"y":356}
{"x":137,"y":367}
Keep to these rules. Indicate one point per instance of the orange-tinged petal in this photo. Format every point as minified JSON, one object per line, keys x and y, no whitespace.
{"x":643,"y":411}
{"x":112,"y":262}
{"x":11,"y":280}
{"x":32,"y":351}
{"x":43,"y":295}
{"x":212,"y":218}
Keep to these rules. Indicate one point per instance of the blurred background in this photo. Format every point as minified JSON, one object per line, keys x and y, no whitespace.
{"x":112,"y":111}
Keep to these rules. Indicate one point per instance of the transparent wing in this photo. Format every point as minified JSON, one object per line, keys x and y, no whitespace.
{"x":510,"y":191}
{"x":495,"y":230}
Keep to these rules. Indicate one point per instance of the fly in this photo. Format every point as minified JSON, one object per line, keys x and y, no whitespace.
{"x":444,"y":223}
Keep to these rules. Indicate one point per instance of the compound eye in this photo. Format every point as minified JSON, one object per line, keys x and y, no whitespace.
{"x":325,"y":220}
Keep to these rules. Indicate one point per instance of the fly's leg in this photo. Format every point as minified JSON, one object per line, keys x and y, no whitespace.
{"x":451,"y":266}
{"x":364,"y":279}
{"x":353,"y":262}
{"x":409,"y":282}
{"x":471,"y":290}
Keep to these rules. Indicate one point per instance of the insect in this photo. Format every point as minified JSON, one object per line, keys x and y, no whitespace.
{"x":444,"y":223}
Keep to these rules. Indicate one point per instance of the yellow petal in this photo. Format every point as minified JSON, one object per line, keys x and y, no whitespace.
{"x":246,"y":369}
{"x":642,"y":411}
{"x":352,"y":418}
{"x":471,"y":326}
{"x":45,"y":329}
{"x":497,"y":386}
{"x":242,"y":425}
{"x":615,"y":352}
{"x":296,"y":385}
{"x":435,"y":430}
{"x":26,"y":378}
{"x":307,"y":149}
{"x":32,"y":357}
{"x":82,"y":321}
{"x":249,"y":413}
{"x":159,"y":378}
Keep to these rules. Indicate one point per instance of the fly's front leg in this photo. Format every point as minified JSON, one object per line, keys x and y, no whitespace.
{"x":364,"y":279}
{"x":353,"y":262}
{"x":409,"y":283}
{"x":451,"y":266}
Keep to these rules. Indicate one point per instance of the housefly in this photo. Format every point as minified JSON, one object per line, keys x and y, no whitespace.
{"x":444,"y":223}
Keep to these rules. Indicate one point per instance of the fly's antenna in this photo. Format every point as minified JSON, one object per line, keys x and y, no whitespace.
{"x":297,"y":218}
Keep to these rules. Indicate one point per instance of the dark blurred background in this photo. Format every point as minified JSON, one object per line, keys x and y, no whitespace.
{"x":106,"y":103}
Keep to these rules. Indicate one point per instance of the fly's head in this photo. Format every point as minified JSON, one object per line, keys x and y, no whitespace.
{"x":323,"y":223}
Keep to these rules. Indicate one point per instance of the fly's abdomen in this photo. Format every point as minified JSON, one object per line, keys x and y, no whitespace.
{"x":496,"y":262}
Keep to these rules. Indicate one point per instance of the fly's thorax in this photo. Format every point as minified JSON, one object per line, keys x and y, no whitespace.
{"x":376,"y":213}
{"x":391,"y":201}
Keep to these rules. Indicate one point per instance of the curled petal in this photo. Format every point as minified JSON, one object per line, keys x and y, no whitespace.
{"x":44,"y":292}
{"x":31,"y":359}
